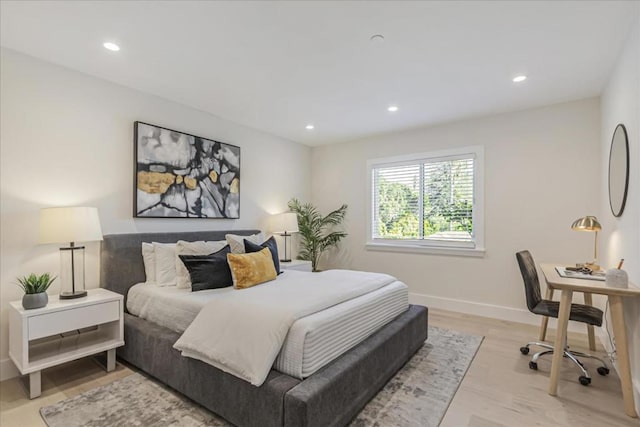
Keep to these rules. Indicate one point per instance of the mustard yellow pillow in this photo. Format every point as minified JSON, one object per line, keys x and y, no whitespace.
{"x":251,"y":269}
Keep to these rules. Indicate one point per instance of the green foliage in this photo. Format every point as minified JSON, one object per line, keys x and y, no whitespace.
{"x":395,"y":215}
{"x":444,"y":204}
{"x":33,"y":284}
{"x":445,"y":208}
{"x":406,"y":225}
{"x":316,"y":230}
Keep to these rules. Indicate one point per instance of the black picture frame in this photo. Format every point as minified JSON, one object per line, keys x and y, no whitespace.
{"x":180,"y":175}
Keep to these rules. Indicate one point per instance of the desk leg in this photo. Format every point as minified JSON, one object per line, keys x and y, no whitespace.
{"x":622,"y":350}
{"x":590,"y":332}
{"x":561,"y":334}
{"x":545,"y":319}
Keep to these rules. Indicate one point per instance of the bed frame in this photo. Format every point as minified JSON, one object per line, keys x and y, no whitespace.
{"x":330,"y":397}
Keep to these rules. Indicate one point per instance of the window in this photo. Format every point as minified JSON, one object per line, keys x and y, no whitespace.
{"x":429,"y":202}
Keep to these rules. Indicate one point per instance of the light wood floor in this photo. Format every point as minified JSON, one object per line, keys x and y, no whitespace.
{"x":498,"y":390}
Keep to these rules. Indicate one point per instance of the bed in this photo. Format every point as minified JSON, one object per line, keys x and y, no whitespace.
{"x":306,"y":394}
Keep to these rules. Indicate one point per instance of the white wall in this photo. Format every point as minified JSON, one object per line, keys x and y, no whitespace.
{"x":542,"y":171}
{"x":621,"y":236}
{"x":67,"y":139}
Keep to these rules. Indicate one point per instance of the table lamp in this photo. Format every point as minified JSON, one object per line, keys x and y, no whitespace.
{"x":284,"y":224}
{"x":589,"y":223}
{"x":70,"y":224}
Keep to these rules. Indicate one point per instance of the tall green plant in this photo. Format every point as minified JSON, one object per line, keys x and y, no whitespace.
{"x":317,"y":231}
{"x":33,"y":284}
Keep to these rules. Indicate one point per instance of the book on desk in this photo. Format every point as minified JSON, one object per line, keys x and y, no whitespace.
{"x":595,"y":275}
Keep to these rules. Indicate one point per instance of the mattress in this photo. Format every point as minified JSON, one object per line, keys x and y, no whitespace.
{"x":312,"y":341}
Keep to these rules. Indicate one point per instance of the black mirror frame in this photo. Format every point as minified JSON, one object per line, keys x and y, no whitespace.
{"x":626,"y":181}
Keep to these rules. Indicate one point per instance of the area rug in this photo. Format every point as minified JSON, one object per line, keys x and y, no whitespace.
{"x":418,"y":395}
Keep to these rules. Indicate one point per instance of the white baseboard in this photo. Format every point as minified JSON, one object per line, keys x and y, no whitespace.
{"x":8,"y":370}
{"x":487,"y":310}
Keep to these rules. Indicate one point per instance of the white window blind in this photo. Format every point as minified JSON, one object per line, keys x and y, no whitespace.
{"x":425,"y":200}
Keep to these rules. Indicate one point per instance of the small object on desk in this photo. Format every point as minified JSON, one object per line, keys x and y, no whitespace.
{"x":617,"y":278}
{"x":581,"y":273}
{"x":620,"y":263}
{"x":580,"y":269}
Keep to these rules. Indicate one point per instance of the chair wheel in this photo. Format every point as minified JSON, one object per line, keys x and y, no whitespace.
{"x":584,"y":380}
{"x":533,"y":365}
{"x":524,"y":350}
{"x":603,"y":370}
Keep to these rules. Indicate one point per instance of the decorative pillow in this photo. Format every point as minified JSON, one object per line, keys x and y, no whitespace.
{"x":271,"y":244}
{"x":183,"y":280}
{"x":208,"y":271}
{"x":248,"y":270}
{"x":237,"y":242}
{"x":149,"y":258}
{"x":165,"y":256}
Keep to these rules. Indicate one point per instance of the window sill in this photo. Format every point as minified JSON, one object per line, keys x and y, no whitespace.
{"x":420,"y":249}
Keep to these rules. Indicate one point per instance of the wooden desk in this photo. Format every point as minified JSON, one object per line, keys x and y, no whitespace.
{"x":615,"y":295}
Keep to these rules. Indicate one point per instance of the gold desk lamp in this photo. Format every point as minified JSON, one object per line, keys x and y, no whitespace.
{"x":589,"y":223}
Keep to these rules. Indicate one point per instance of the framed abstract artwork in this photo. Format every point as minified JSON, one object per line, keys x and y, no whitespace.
{"x":184,"y":176}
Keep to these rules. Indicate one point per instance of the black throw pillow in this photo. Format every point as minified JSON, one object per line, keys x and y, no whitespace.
{"x":208,"y":271}
{"x":269,"y":243}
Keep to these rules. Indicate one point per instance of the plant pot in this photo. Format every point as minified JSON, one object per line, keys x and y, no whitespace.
{"x":31,"y":301}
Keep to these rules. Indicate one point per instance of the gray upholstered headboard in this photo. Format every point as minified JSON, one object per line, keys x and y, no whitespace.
{"x":121,"y":263}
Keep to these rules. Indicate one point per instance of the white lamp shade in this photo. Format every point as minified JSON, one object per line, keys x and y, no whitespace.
{"x":69,"y":224}
{"x":285,"y":223}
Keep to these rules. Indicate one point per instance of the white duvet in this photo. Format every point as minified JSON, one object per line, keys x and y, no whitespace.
{"x":242,"y":332}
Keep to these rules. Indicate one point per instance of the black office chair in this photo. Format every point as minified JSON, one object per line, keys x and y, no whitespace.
{"x":579,"y":312}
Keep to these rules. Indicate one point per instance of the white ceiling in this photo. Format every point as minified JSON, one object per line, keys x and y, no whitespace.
{"x":277,"y":66}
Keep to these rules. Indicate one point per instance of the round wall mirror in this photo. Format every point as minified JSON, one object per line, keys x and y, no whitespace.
{"x":618,"y":170}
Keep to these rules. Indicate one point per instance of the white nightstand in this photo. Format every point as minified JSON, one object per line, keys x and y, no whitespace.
{"x":296,"y":264}
{"x":65,"y":330}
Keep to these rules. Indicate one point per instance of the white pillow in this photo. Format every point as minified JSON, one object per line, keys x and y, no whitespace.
{"x":236,"y":242}
{"x":149,"y":259}
{"x":183,"y":280}
{"x":165,"y":257}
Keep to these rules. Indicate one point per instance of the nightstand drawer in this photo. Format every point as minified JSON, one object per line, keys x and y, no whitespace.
{"x":49,"y":324}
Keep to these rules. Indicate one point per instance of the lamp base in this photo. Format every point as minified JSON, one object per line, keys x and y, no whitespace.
{"x":72,"y":295}
{"x":285,"y":260}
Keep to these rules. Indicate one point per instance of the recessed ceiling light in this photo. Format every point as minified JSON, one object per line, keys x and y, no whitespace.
{"x":111,"y":46}
{"x":392,"y":108}
{"x":520,"y":78}
{"x":309,"y":127}
{"x":377,"y":38}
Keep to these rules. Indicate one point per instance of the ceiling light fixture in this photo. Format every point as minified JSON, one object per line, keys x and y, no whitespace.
{"x":520,"y":78}
{"x":111,"y":46}
{"x":376,"y":38}
{"x":309,"y":127}
{"x":392,"y":108}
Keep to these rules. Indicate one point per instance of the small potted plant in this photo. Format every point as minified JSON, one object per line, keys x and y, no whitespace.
{"x":35,"y":290}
